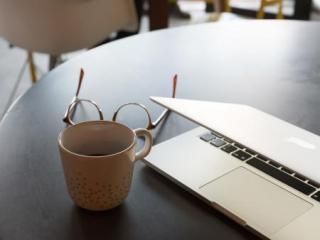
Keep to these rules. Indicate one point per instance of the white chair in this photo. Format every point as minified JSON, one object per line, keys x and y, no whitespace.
{"x":60,"y":26}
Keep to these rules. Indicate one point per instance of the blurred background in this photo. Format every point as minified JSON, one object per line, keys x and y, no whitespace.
{"x":21,"y":67}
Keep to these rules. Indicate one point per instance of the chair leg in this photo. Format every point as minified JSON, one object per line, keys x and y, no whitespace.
{"x":221,"y":6}
{"x":260,"y":14}
{"x":53,"y":62}
{"x":32,"y":68}
{"x":226,"y":6}
{"x":265,"y":3}
{"x":280,"y":14}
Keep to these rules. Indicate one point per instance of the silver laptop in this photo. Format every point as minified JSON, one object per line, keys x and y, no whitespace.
{"x":260,"y":171}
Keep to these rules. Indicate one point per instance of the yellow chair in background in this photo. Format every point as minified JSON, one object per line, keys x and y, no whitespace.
{"x":265,"y":3}
{"x":261,"y":12}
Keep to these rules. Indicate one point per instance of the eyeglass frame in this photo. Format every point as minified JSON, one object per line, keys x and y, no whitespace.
{"x":67,"y":118}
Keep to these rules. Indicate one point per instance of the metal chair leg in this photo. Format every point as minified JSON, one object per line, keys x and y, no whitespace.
{"x":32,"y":68}
{"x":53,"y":62}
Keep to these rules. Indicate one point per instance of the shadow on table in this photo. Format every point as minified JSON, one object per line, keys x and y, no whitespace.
{"x":100,"y":225}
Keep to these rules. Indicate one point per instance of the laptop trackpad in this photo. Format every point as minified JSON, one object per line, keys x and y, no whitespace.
{"x":262,"y":204}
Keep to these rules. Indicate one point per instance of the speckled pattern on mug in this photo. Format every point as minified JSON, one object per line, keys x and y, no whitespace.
{"x":97,"y":195}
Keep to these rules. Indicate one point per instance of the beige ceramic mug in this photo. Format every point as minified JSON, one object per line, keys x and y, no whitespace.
{"x":98,"y":159}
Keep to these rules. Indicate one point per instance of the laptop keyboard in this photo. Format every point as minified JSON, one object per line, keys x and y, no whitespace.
{"x":282,"y":176}
{"x":264,"y":164}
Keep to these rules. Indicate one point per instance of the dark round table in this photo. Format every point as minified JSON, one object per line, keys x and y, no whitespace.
{"x":270,"y":65}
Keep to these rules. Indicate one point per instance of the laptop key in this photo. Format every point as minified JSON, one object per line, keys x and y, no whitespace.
{"x":239,"y":145}
{"x":281,"y":176}
{"x":241,"y":155}
{"x":227,"y":139}
{"x":217,"y":142}
{"x":314,"y":184}
{"x":287,"y":170}
{"x":302,"y":178}
{"x":207,"y":137}
{"x":216,"y":134}
{"x":263,"y":158}
{"x":316,"y":196}
{"x":229,"y":148}
{"x":276,"y":165}
{"x":250,"y":151}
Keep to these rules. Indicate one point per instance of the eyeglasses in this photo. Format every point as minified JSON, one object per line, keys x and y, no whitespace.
{"x":68,"y":116}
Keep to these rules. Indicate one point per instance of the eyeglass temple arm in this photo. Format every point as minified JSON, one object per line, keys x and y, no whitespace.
{"x":174,"y":85}
{"x":167,"y":111}
{"x":80,"y":82}
{"x":160,"y":118}
{"x":74,"y":99}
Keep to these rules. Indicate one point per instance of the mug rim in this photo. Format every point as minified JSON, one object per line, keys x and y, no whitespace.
{"x":93,"y":122}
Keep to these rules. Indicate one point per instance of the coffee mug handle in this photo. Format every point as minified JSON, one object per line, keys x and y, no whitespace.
{"x":141,"y":132}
